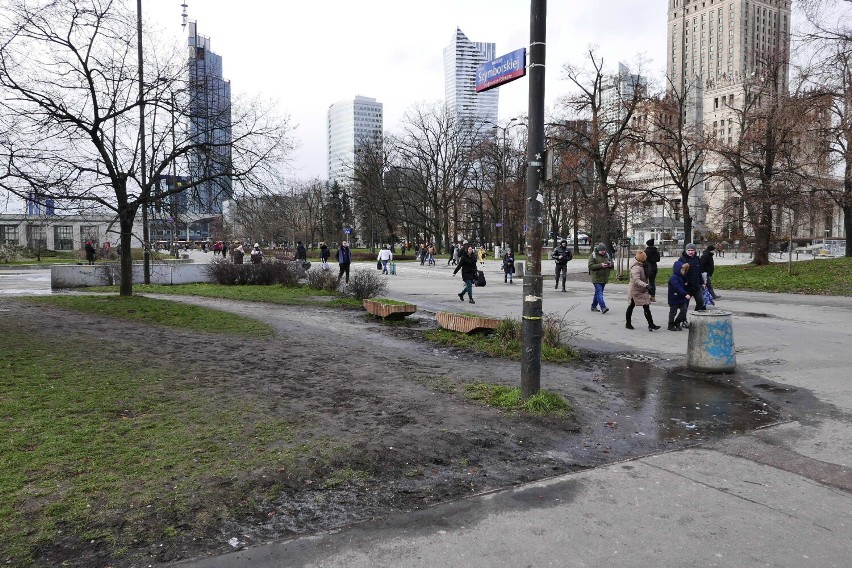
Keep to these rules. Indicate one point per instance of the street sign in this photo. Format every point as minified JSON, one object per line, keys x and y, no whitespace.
{"x":502,"y":70}
{"x":498,"y":224}
{"x":347,"y":230}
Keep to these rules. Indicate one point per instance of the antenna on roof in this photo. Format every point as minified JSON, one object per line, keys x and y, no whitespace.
{"x":183,"y":15}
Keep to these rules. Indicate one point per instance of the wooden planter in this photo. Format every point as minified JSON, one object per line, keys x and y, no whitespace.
{"x":389,"y":311}
{"x":465,"y":323}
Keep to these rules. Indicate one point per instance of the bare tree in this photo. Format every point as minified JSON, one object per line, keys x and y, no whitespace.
{"x":766,"y":162}
{"x":607,"y":104}
{"x":69,"y":115}
{"x":674,"y":135}
{"x":435,"y":158}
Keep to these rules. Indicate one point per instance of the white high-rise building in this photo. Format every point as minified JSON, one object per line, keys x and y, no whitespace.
{"x":461,"y":59}
{"x":351,"y":122}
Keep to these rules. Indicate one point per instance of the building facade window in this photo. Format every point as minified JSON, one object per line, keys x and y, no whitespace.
{"x":63,"y":237}
{"x":8,"y":235}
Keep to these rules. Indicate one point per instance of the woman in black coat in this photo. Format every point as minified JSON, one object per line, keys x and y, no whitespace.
{"x":467,"y":265}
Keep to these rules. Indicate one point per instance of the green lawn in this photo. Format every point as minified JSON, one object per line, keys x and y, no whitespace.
{"x":829,"y":277}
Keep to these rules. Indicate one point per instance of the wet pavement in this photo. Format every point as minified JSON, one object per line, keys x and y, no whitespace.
{"x":24,"y":282}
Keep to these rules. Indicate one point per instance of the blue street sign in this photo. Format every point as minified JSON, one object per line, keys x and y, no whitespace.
{"x":501,"y":70}
{"x":498,"y":224}
{"x":347,"y":230}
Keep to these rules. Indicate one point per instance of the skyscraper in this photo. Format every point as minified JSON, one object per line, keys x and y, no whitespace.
{"x":209,"y":123}
{"x":351,"y":122}
{"x":461,"y":59}
{"x":717,"y":45}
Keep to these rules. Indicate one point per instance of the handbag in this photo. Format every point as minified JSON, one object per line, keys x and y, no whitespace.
{"x":708,"y":298}
{"x":378,"y":265}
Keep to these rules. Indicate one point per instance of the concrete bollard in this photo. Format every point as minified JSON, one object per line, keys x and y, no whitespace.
{"x":711,"y":342}
{"x":519,"y":269}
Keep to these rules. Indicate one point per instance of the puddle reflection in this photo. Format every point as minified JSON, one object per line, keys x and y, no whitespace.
{"x":673,"y":403}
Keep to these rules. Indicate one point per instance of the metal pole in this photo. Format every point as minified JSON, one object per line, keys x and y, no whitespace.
{"x":532,"y":307}
{"x":146,"y":260}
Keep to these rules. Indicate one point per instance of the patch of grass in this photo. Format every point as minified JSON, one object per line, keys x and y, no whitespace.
{"x":505,"y":342}
{"x":543,"y":403}
{"x":272,"y":294}
{"x":389,"y":302}
{"x":161,"y":312}
{"x":828,"y":277}
{"x":343,"y":476}
{"x":114,"y":448}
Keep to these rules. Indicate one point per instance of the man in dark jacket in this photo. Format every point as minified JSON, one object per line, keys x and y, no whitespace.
{"x":469,"y":270}
{"x":678,"y":298}
{"x":344,"y":260}
{"x":301,"y":251}
{"x":653,"y":255}
{"x":707,"y":267}
{"x":693,"y":277}
{"x":562,"y":255}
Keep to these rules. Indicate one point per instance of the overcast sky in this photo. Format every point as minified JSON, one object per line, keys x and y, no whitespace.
{"x":307,"y":55}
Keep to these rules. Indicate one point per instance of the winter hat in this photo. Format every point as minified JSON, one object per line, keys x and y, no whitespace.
{"x":600,"y":246}
{"x":641,"y":256}
{"x":650,"y":242}
{"x":690,"y":246}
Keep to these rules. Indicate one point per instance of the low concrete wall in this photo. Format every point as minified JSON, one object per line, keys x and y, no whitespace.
{"x":109,"y":274}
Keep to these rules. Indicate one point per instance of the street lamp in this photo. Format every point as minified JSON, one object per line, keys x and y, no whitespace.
{"x":503,"y":159}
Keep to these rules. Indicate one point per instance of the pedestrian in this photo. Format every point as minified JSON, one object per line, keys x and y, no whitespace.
{"x":431,"y":255}
{"x":693,"y":277}
{"x":637,"y":291}
{"x":217,"y":248}
{"x":707,"y":265}
{"x":385,"y":256}
{"x":481,"y":255}
{"x":301,"y":252}
{"x":344,"y":260}
{"x":600,"y":265}
{"x":562,"y":255}
{"x":256,"y":254}
{"x":452,"y":252}
{"x":653,"y":254}
{"x":325,"y":253}
{"x":224,"y":249}
{"x":90,"y":252}
{"x":678,"y":298}
{"x":457,"y":252}
{"x":422,"y":252}
{"x":508,"y":266}
{"x":467,"y":265}
{"x":239,"y":253}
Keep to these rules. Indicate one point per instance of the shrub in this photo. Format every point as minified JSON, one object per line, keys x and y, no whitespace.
{"x":8,"y":253}
{"x":365,"y":284}
{"x":230,"y":274}
{"x":322,"y":280}
{"x":509,"y":329}
{"x":558,"y":329}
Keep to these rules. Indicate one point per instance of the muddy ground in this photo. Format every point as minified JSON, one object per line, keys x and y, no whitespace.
{"x":396,"y":400}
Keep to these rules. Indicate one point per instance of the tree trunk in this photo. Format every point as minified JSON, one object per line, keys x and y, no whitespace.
{"x":847,"y":228}
{"x":762,"y":235}
{"x":126,"y":223}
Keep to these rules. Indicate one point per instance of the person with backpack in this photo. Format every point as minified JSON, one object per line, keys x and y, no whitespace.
{"x":562,"y":255}
{"x":469,"y":270}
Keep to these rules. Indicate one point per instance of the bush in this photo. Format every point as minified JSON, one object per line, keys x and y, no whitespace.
{"x":509,"y":329}
{"x":8,"y":253}
{"x":230,"y":274}
{"x":321,"y":279}
{"x":558,"y":330}
{"x":365,"y":284}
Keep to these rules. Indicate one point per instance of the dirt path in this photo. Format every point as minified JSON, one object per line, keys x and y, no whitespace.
{"x":394,"y":400}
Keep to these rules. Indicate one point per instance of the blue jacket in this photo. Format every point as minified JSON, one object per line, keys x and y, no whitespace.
{"x":693,"y":277}
{"x":677,"y":289}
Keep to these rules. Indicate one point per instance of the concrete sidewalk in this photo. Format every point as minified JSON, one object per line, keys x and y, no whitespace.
{"x":781,"y":496}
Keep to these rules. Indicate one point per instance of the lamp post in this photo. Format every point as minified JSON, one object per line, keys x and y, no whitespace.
{"x":146,"y":259}
{"x":503,"y":163}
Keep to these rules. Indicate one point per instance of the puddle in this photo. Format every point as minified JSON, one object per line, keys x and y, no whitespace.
{"x":673,"y":404}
